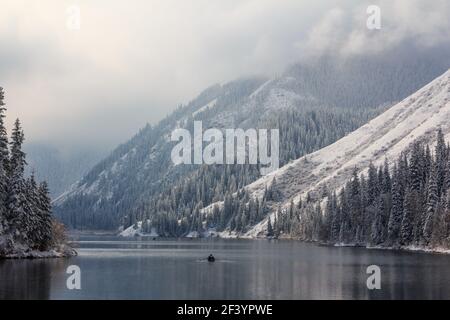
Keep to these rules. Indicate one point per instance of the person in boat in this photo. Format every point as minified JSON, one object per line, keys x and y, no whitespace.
{"x":211,"y":258}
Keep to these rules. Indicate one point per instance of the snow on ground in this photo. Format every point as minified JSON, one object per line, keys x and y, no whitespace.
{"x":42,"y":254}
{"x":136,"y":231}
{"x":132,"y":231}
{"x":211,"y":104}
{"x":9,"y":249}
{"x":261,"y":88}
{"x":193,"y":234}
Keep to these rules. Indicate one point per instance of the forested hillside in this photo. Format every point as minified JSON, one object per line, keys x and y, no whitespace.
{"x":295,"y":198}
{"x":407,"y":205}
{"x":312,"y":105}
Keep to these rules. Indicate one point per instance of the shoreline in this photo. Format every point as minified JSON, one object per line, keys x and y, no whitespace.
{"x":64,"y":251}
{"x":220,"y":235}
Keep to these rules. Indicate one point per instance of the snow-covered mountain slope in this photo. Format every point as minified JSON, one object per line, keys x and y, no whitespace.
{"x":417,"y":117}
{"x":142,"y":168}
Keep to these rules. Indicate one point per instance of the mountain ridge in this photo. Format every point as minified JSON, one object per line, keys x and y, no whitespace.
{"x":141,"y":169}
{"x":421,"y":115}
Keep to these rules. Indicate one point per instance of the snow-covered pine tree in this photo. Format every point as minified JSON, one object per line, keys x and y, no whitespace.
{"x":4,"y":155}
{"x":441,"y":158}
{"x":32,"y":209}
{"x":447,"y":175}
{"x":432,"y":202}
{"x":406,"y":230}
{"x":427,"y":164}
{"x":416,"y":168}
{"x":372,"y":185}
{"x":344,"y":214}
{"x":395,"y":217}
{"x":335,"y":219}
{"x":269,"y":228}
{"x":16,"y":198}
{"x":377,"y":224}
{"x":355,"y":203}
{"x":440,"y":226}
{"x":387,"y":181}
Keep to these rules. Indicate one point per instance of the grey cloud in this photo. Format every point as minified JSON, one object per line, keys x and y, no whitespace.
{"x":134,"y":63}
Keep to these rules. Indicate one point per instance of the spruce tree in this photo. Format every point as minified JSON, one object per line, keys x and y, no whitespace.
{"x":387,"y":182}
{"x":395,"y":217}
{"x":415,"y":168}
{"x":447,"y":175}
{"x":16,"y":196}
{"x":406,"y":230}
{"x":441,"y":158}
{"x":372,"y":184}
{"x":4,"y":155}
{"x":32,"y":210}
{"x":377,"y":225}
{"x":432,"y":202}
{"x":335,"y":220}
{"x":355,"y":204}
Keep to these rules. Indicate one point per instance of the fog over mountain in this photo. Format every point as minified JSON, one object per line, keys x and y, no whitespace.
{"x":312,"y":105}
{"x":60,"y":169}
{"x":131,"y":65}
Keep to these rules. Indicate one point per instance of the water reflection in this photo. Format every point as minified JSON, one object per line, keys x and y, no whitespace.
{"x":177,"y":269}
{"x":25,"y":279}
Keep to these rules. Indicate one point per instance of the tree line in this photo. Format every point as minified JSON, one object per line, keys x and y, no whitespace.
{"x":175,"y":209}
{"x":406,"y":206}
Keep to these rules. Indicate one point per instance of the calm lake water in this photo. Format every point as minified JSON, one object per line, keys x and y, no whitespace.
{"x":117,"y":268}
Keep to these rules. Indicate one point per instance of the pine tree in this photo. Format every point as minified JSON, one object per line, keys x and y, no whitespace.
{"x":32,"y":219}
{"x":432,"y":202}
{"x":344,"y":213}
{"x":387,"y":183}
{"x":427,"y":166}
{"x":335,"y":219}
{"x":440,"y":227}
{"x":406,"y":231}
{"x":16,"y":199}
{"x":4,"y":155}
{"x":447,"y":175}
{"x":355,"y":203}
{"x":395,"y":217}
{"x":441,"y":158}
{"x":415,"y":168}
{"x":372,"y":185}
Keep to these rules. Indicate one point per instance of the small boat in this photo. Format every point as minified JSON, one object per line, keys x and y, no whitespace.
{"x":211,"y":258}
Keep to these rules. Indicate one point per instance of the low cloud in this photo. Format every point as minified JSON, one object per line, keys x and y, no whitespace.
{"x":132,"y":63}
{"x":342,"y":30}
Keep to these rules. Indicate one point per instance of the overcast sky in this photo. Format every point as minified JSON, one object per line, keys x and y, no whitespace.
{"x":132,"y":62}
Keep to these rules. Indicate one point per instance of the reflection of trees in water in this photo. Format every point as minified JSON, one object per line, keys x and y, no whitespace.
{"x":27,"y":279}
